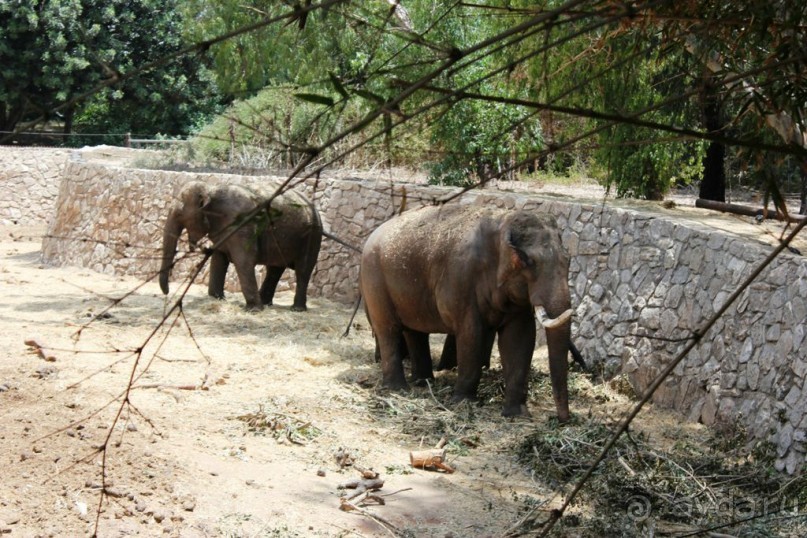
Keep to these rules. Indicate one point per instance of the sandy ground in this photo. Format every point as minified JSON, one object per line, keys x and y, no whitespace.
{"x":235,"y":419}
{"x":178,"y":460}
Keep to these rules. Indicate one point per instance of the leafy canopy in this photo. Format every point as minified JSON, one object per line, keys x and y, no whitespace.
{"x":53,"y":52}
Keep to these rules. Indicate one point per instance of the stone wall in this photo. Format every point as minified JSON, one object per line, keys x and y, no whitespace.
{"x":640,"y":282}
{"x":29,"y":183}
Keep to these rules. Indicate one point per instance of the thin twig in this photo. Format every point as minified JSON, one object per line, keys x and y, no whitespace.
{"x":444,"y":408}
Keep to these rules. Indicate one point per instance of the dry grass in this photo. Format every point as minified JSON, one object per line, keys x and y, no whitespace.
{"x":657,"y":481}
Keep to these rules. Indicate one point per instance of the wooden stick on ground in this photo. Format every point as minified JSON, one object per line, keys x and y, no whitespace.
{"x":433,"y":457}
{"x":40,"y":349}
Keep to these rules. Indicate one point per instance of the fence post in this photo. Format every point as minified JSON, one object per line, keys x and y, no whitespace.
{"x":127,"y":140}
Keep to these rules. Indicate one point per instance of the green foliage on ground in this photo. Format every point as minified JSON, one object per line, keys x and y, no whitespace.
{"x":279,"y":126}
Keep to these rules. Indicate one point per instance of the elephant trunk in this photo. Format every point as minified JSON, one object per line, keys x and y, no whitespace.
{"x":171,"y":232}
{"x":558,"y":339}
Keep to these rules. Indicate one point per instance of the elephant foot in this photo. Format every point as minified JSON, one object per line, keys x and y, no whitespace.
{"x":461,"y":397}
{"x":254,"y":307}
{"x":396,"y":384}
{"x":298,"y":308}
{"x":516,"y":410}
{"x":219,"y":296}
{"x":422,"y":381}
{"x":442,"y":367}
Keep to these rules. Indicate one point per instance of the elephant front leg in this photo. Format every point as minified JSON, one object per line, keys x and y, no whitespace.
{"x":470,"y":359}
{"x":448,"y":358}
{"x":218,"y":273}
{"x":516,"y":346}
{"x":249,"y":285}
{"x":269,"y":285}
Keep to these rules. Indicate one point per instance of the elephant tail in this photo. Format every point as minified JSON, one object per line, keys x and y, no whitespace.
{"x":577,"y":356}
{"x":342,"y":242}
{"x":171,"y":232}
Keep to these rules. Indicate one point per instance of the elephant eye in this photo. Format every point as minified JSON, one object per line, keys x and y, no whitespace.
{"x":525,"y":260}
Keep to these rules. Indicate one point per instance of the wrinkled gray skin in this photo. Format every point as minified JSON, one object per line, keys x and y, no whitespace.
{"x":474,"y":273}
{"x":288,"y":235}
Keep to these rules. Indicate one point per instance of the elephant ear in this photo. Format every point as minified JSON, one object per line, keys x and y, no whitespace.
{"x":195,"y":195}
{"x":203,"y":198}
{"x":513,"y":259}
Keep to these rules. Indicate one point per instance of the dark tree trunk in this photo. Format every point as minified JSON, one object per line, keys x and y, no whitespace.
{"x":68,"y":121}
{"x":713,"y":183}
{"x":803,"y":205}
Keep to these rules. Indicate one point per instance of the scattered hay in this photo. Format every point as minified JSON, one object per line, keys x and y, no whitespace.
{"x":280,"y":426}
{"x":662,"y":479}
{"x":640,"y":488}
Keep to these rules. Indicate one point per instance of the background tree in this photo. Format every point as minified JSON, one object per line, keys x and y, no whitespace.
{"x":492,"y":87}
{"x":55,"y":50}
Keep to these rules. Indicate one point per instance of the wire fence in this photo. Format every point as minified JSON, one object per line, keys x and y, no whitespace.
{"x":75,"y":140}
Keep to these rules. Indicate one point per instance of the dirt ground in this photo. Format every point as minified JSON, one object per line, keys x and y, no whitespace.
{"x":235,"y":419}
{"x":246,"y":424}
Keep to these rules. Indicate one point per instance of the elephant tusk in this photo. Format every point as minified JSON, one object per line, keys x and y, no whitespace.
{"x":550,"y":323}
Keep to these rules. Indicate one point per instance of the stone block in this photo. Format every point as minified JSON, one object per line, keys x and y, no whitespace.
{"x":668,"y":322}
{"x":792,"y":396}
{"x":793,"y":462}
{"x":650,"y":318}
{"x":710,"y":406}
{"x":785,"y":440}
{"x":752,"y":375}
{"x":715,"y":242}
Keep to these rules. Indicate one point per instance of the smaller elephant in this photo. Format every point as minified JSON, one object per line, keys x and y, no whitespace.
{"x":287,"y":234}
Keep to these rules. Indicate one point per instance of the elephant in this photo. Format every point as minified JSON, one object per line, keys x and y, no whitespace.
{"x":475,"y":273}
{"x":287,"y":234}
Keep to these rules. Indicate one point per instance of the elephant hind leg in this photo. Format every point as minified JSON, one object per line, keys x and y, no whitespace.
{"x":303,"y":271}
{"x":269,"y":285}
{"x":448,"y":358}
{"x":417,"y":344}
{"x":390,"y":345}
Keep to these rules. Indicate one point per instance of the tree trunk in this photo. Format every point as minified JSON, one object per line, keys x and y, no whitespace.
{"x":68,"y":121}
{"x":803,"y":205}
{"x":713,"y":182}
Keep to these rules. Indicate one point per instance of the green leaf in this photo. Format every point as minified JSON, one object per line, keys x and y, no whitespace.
{"x":370,"y":96}
{"x":315,"y":98}
{"x":338,"y":86}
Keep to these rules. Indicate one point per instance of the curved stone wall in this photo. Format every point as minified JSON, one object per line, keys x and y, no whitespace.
{"x":29,"y":183}
{"x":641,"y":283}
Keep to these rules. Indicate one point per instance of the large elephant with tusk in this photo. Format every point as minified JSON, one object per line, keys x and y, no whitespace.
{"x":474,"y":273}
